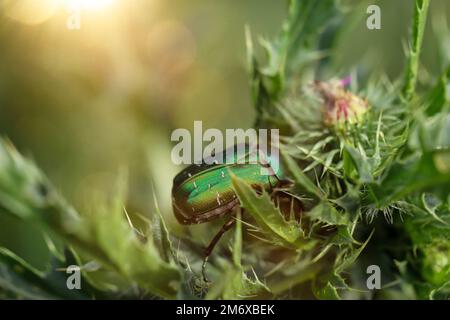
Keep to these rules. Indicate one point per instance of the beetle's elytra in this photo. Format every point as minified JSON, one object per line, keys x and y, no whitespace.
{"x":209,"y":195}
{"x":204,"y":192}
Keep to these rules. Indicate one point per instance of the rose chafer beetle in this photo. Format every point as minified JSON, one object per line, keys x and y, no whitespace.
{"x":204,"y":192}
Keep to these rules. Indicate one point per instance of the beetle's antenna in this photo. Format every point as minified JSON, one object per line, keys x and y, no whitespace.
{"x":266,"y":164}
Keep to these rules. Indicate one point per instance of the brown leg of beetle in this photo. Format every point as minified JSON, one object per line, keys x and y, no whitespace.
{"x":298,"y":210}
{"x":227,"y":226}
{"x":288,"y":205}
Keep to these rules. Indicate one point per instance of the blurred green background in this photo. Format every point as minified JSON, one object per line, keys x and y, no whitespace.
{"x":86,"y":103}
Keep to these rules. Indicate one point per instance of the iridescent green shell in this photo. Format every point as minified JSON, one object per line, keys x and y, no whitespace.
{"x":204,"y":192}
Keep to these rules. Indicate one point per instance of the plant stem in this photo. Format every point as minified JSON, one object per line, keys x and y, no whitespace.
{"x":420,"y":19}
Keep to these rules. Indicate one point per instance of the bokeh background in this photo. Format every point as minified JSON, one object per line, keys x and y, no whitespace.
{"x":84,"y":104}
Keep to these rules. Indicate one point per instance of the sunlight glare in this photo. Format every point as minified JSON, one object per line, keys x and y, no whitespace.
{"x":90,"y":4}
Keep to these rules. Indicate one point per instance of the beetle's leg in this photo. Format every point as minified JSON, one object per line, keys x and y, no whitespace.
{"x":230,"y":223}
{"x":297,"y":213}
{"x":295,"y":206}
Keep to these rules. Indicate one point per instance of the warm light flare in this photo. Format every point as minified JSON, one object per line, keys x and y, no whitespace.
{"x":38,"y":11}
{"x":90,"y":4}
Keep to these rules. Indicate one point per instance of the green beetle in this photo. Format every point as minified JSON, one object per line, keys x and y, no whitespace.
{"x":204,"y":192}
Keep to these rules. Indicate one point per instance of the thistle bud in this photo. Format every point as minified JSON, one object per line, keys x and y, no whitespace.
{"x":340,"y":105}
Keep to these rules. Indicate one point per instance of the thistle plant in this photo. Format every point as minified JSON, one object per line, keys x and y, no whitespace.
{"x":371,"y":168}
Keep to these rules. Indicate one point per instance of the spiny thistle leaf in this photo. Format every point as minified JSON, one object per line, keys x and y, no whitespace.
{"x":103,"y":235}
{"x":235,"y":284}
{"x":440,"y":95}
{"x":330,"y":291}
{"x":301,"y":178}
{"x":359,"y":163}
{"x":346,"y":260}
{"x":326,"y":213}
{"x":268,"y":217}
{"x":441,"y":293}
{"x":415,"y":174}
{"x":22,"y":280}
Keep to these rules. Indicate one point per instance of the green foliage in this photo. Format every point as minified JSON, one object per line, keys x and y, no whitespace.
{"x":294,"y":47}
{"x":102,"y":236}
{"x":235,"y":284}
{"x":267,"y":216}
{"x":21,"y":280}
{"x":393,"y":160}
